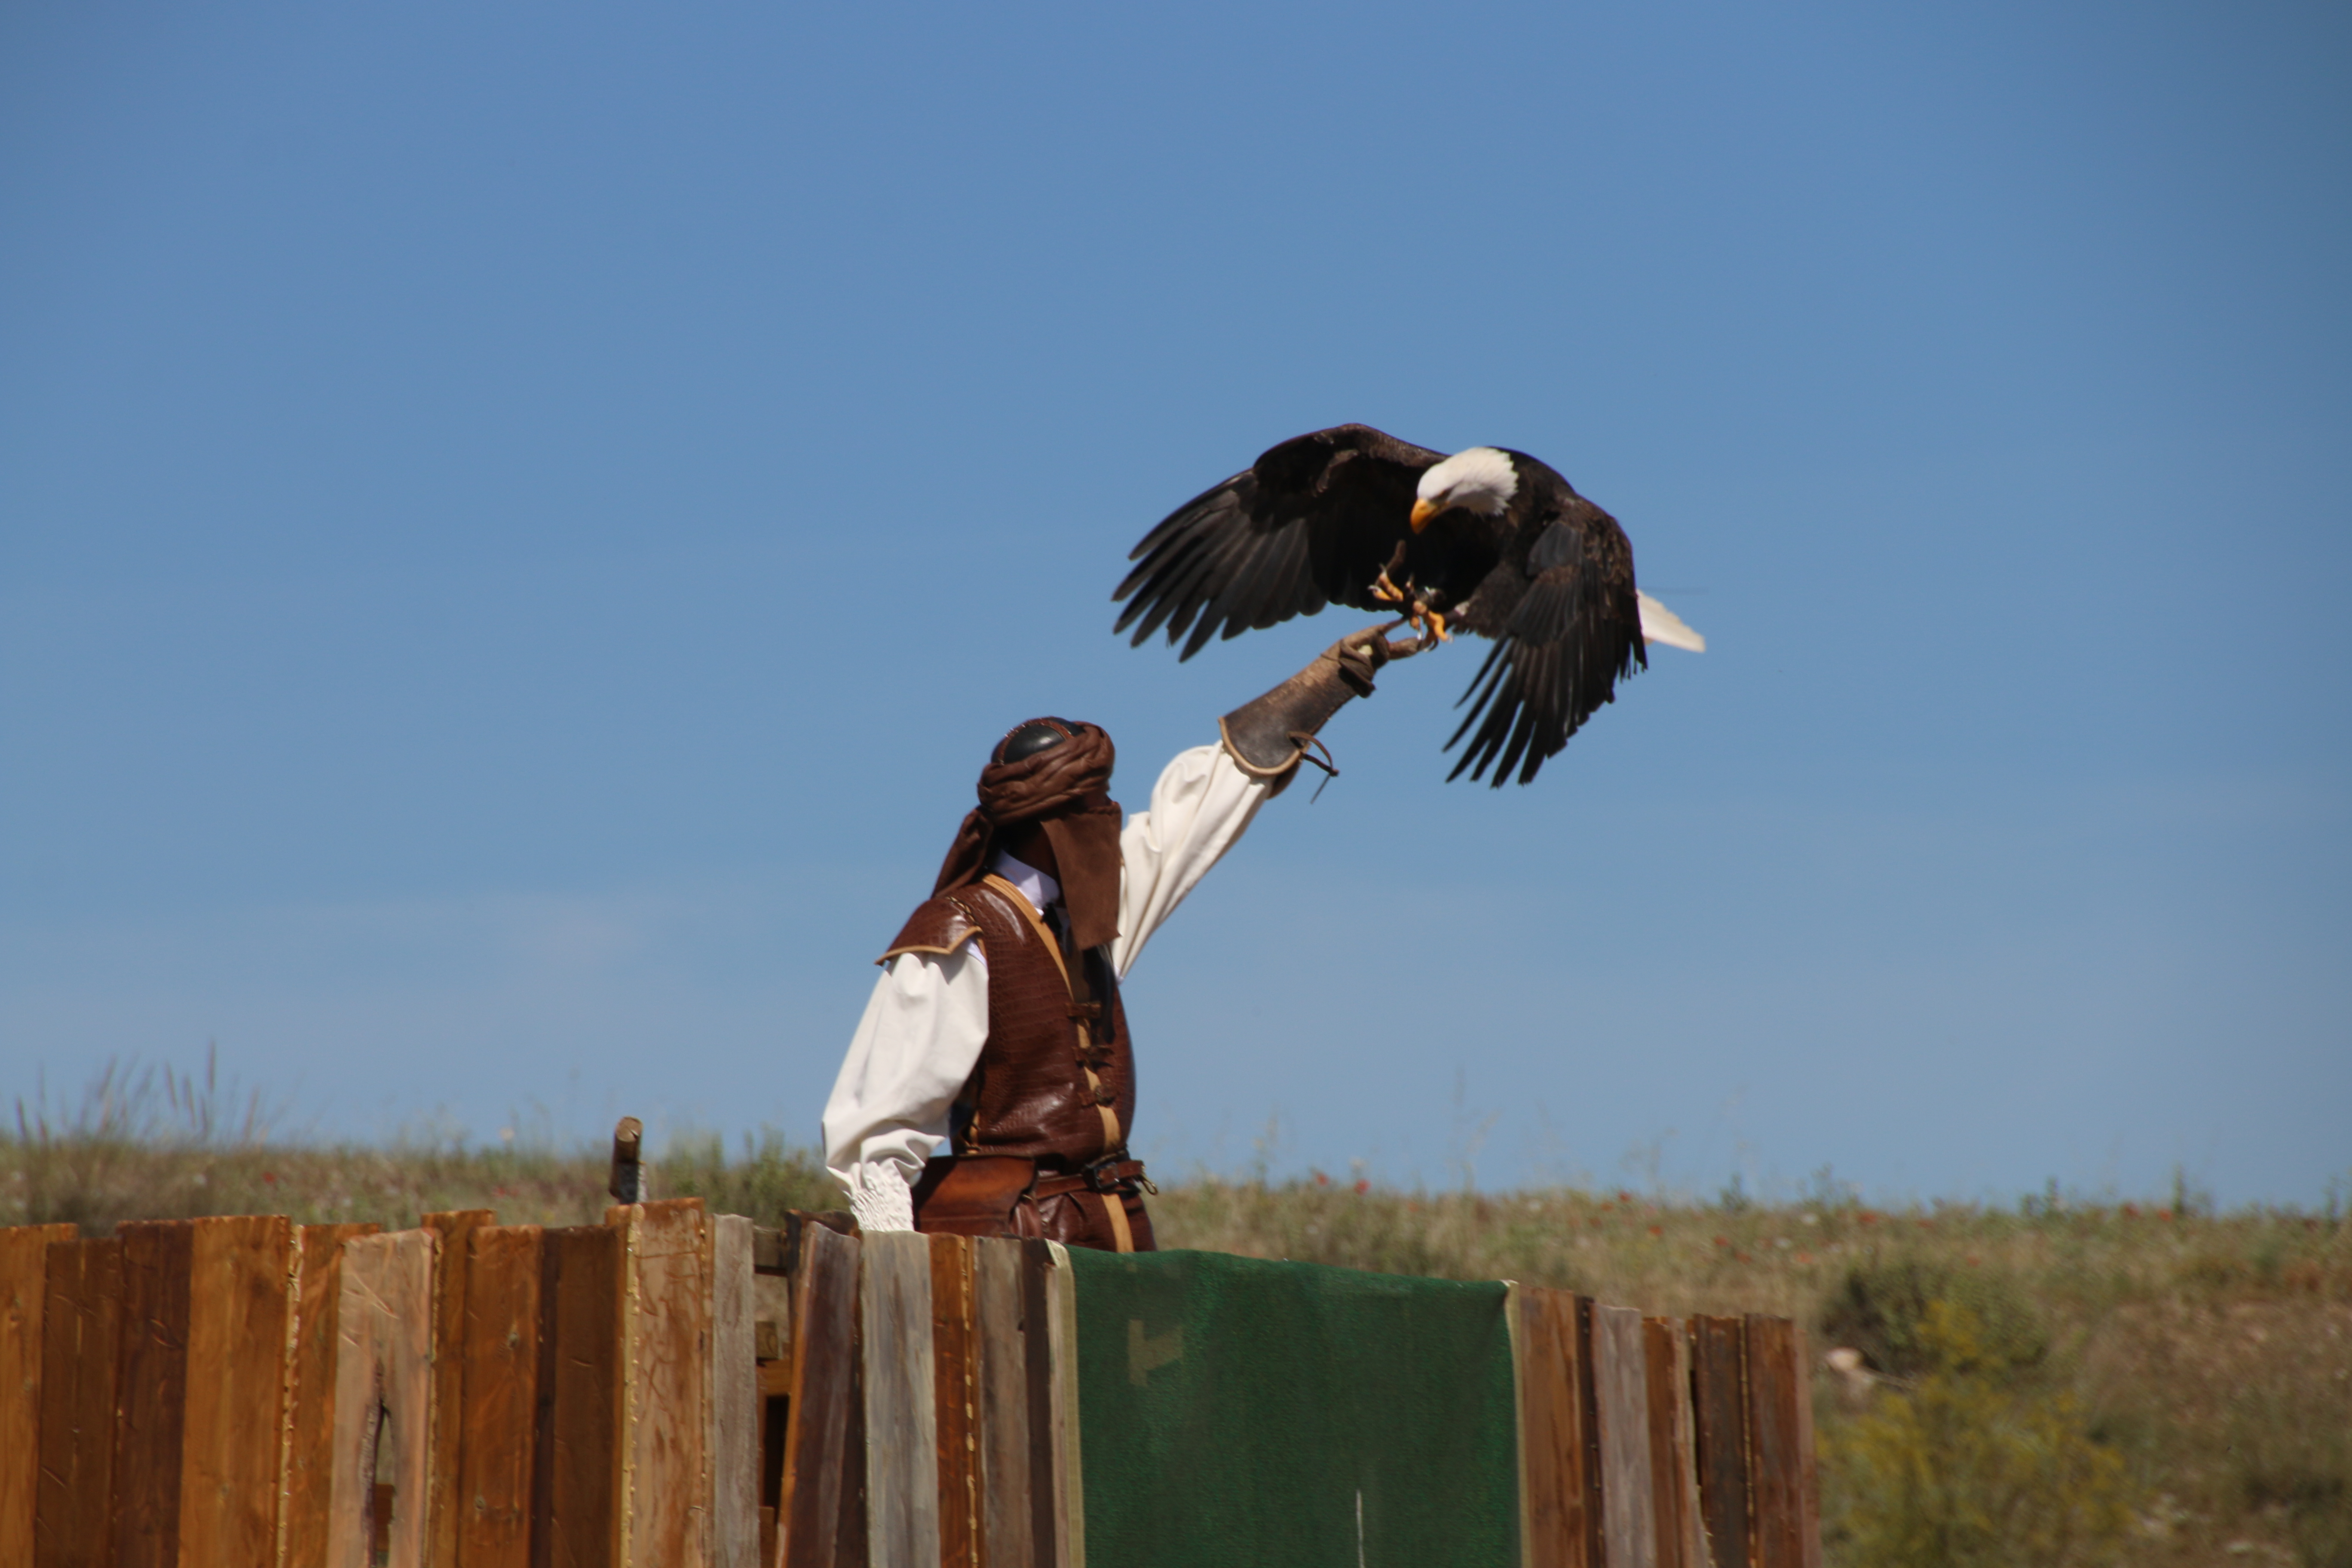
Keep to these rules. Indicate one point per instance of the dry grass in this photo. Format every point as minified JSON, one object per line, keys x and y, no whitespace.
{"x":148,"y":1144}
{"x":2211,"y":1352}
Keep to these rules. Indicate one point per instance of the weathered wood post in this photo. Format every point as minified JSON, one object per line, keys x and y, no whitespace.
{"x":24,"y":1300}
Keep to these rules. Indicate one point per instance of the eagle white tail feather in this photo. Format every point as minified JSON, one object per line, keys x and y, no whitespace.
{"x":1660,"y":623}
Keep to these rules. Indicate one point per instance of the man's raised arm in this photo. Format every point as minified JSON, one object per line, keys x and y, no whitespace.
{"x":1206,"y":798}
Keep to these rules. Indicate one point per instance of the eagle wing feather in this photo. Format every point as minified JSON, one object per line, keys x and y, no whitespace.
{"x":1574,"y":633}
{"x":1311,"y":522}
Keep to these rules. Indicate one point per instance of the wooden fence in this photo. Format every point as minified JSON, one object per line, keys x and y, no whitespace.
{"x":674,"y":1389}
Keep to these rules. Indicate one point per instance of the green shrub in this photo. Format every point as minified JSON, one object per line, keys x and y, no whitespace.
{"x":2291,"y":1454}
{"x":1880,"y":1308}
{"x":1962,"y":1471}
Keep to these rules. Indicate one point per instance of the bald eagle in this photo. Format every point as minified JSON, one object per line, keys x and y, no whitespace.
{"x":1491,"y":541}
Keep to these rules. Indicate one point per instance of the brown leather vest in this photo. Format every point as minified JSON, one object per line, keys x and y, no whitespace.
{"x":1056,"y":1079}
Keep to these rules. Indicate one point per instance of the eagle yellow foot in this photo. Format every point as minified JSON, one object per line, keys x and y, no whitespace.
{"x":1432,"y":624}
{"x":1386,"y":592}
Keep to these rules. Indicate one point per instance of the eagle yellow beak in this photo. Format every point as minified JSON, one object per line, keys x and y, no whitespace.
{"x":1422,"y":510}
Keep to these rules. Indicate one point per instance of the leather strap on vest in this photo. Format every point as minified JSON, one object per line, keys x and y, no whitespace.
{"x":1123,"y":1177}
{"x":1113,"y":1181}
{"x":1081,"y":1018}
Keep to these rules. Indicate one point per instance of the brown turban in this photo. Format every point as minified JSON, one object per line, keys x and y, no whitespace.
{"x":1064,"y":789}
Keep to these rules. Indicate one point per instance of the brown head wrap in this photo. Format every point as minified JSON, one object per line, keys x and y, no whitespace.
{"x":1064,"y":789}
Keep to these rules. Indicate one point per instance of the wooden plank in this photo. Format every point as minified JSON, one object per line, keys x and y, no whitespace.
{"x":849,"y":1533}
{"x":455,"y":1227}
{"x":774,"y":1250}
{"x":1780,"y":1426}
{"x":1557,"y":1437}
{"x":733,"y":1397}
{"x":664,"y":1357}
{"x":818,"y":1455}
{"x":1038,"y":1377}
{"x":243,"y":1273}
{"x":1622,"y":1402}
{"x":955,"y":1399}
{"x":1001,"y":1345}
{"x":775,"y":1254}
{"x":1809,"y":1481}
{"x":902,"y":1468}
{"x":497,"y":1413}
{"x":380,"y":1458}
{"x":1673,"y":1475}
{"x":24,"y":1297}
{"x":1069,"y":1471}
{"x":771,"y":1315}
{"x":1719,"y":1413}
{"x":576,"y":1473}
{"x":81,"y":1347}
{"x":152,"y":1387}
{"x":308,"y":1483}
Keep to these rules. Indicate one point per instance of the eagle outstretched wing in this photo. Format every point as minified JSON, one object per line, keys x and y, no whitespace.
{"x":1311,"y":522}
{"x":1572,"y":634}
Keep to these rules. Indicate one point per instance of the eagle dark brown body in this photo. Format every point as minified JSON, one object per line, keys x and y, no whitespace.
{"x":1504,"y":548}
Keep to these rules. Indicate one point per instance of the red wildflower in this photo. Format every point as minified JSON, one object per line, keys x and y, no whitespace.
{"x":269,"y":1178}
{"x":1362,"y":1187}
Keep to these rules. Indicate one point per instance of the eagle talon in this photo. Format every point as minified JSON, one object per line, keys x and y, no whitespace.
{"x":1430,"y":624}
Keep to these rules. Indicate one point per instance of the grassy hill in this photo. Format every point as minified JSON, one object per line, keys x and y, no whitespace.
{"x":2141,"y":1382}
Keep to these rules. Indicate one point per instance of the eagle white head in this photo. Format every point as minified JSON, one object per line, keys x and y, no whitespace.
{"x":1481,"y":480}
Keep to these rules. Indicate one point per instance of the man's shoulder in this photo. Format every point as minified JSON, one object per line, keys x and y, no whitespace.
{"x":942,"y":924}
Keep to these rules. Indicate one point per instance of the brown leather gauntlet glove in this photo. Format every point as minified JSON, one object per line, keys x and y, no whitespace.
{"x":1267,"y":736}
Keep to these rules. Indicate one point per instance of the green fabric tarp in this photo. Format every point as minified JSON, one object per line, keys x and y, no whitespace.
{"x":1236,"y":1412}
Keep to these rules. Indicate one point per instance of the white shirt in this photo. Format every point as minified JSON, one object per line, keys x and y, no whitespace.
{"x":928,"y":1018}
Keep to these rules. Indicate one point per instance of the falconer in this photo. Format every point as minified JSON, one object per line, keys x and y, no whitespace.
{"x":990,"y":1087}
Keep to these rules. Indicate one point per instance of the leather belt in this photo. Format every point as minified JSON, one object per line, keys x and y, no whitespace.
{"x":1109,"y":1174}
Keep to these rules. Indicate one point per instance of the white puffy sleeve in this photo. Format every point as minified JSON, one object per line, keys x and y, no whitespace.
{"x":1199,"y":808}
{"x":920,"y":1037}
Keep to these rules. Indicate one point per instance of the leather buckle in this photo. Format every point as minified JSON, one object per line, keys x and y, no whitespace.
{"x":1098,"y":1178}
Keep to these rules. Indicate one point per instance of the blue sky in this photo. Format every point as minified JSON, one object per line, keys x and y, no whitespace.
{"x":518,"y":527}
